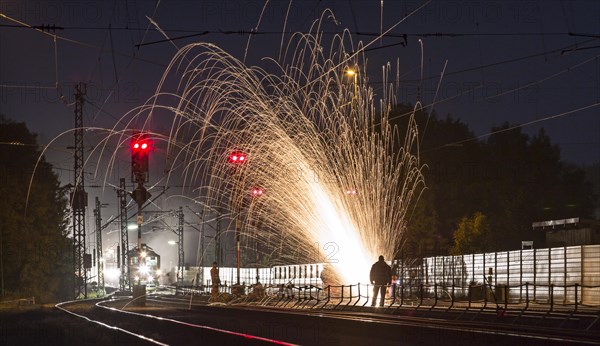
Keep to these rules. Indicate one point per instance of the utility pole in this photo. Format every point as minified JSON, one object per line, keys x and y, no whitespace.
{"x":79,"y":201}
{"x":124,"y":282}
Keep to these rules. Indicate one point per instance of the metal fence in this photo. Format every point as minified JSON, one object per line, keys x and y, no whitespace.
{"x":565,"y":275}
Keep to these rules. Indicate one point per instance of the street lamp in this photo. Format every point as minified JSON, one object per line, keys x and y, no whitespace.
{"x":353,"y":73}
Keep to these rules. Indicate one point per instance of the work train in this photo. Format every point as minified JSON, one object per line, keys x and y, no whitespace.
{"x":149,"y":273}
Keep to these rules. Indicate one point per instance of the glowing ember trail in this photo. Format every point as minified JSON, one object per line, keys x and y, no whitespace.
{"x":309,"y":132}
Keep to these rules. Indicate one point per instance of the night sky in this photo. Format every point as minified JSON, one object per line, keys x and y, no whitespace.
{"x":519,"y":62}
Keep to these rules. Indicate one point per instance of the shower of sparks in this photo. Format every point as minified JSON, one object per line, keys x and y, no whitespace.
{"x":311,"y":133}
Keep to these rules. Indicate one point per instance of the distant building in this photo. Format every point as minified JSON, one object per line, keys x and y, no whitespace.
{"x":569,"y":232}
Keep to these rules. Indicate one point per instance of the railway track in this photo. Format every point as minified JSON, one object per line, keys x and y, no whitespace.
{"x":175,"y":320}
{"x":147,"y":328}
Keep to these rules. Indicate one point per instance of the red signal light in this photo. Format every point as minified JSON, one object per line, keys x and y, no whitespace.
{"x":237,"y":157}
{"x":141,"y":147}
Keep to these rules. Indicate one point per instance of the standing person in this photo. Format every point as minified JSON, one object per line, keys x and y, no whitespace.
{"x":380,"y":275}
{"x":215,"y":280}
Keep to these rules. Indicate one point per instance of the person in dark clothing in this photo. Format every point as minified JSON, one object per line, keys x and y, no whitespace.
{"x":381,"y":276}
{"x":216,"y":281}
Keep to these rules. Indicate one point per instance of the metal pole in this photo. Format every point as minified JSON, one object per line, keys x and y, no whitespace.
{"x":99,"y":258}
{"x":238,"y":225}
{"x":201,"y":279}
{"x":124,"y":281}
{"x":180,"y":254}
{"x":140,"y":219}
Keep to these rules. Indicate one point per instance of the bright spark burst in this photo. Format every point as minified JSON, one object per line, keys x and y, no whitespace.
{"x":309,"y":132}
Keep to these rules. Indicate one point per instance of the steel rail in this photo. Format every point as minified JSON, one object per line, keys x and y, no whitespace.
{"x":526,"y":332}
{"x":61,"y":306}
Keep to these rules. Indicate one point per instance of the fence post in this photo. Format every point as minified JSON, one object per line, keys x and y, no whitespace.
{"x":505,"y":294}
{"x":551,"y":296}
{"x":495,"y":268}
{"x":469,"y":294}
{"x":534,"y":274}
{"x":350,"y":301}
{"x":565,"y":275}
{"x":576,"y":297}
{"x":507,"y":269}
{"x":521,"y":275}
{"x":402,"y":293}
{"x":526,"y":295}
{"x":550,"y":287}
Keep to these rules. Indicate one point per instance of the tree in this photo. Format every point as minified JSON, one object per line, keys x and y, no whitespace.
{"x":422,"y":237}
{"x":512,"y":178}
{"x":472,"y":235}
{"x":36,"y":253}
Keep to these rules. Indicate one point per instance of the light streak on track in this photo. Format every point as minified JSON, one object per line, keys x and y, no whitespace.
{"x":229,"y":332}
{"x":528,"y":334}
{"x":60,"y":306}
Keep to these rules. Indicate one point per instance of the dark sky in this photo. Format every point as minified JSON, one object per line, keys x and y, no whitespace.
{"x":507,"y":61}
{"x":494,"y":50}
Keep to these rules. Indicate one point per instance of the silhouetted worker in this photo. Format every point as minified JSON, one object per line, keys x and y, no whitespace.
{"x":215,"y":280}
{"x":381,"y":276}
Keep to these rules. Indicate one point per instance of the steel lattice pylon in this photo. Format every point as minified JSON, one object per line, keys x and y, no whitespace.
{"x":99,"y":255}
{"x":124,"y":282}
{"x":79,"y":200}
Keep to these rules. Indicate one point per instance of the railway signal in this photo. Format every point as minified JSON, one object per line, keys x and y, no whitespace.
{"x":257,"y":192}
{"x":140,"y":153}
{"x":237,"y":157}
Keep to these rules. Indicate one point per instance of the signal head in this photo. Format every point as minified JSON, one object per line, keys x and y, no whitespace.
{"x":237,"y":157}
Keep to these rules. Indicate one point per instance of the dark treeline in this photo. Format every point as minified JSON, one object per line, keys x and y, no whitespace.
{"x":35,"y":252}
{"x":483,"y":194}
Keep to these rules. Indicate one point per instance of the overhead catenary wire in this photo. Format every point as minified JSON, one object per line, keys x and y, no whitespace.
{"x":595,"y":36}
{"x":527,"y":85}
